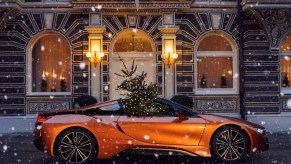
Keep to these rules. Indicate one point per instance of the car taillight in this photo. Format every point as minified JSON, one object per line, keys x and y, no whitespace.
{"x":42,"y":118}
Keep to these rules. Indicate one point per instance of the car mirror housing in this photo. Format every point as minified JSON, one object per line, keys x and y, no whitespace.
{"x":182,"y":117}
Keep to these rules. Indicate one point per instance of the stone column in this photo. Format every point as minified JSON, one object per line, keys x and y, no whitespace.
{"x":169,"y":39}
{"x":95,"y":71}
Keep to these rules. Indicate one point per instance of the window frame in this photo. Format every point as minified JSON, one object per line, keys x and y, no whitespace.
{"x":284,"y":90}
{"x":235,"y":71}
{"x":29,"y":67}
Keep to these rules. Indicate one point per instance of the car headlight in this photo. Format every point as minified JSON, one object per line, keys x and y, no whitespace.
{"x":261,"y":131}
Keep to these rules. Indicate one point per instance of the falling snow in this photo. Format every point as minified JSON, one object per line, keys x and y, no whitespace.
{"x":5,"y":147}
{"x":82,"y":65}
{"x":146,"y":137}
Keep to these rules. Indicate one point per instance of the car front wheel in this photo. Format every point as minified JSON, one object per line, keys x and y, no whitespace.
{"x":229,"y":144}
{"x":76,"y":146}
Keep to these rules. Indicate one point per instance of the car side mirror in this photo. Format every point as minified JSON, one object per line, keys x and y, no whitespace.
{"x":182,"y":117}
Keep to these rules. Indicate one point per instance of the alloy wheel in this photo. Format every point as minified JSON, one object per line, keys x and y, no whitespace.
{"x":230,"y":145}
{"x":75,"y":147}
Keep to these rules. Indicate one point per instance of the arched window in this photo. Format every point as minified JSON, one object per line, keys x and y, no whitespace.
{"x":50,"y":65}
{"x":216,"y":65}
{"x":132,"y":41}
{"x":286,"y":65}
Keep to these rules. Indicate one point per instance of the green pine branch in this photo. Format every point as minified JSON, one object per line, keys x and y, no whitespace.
{"x":140,"y":98}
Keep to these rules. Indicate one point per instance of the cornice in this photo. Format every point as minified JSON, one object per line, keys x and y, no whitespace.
{"x":265,"y":4}
{"x":132,"y":5}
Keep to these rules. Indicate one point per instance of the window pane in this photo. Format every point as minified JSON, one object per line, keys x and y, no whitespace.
{"x":133,"y":42}
{"x":111,"y":107}
{"x":215,"y":72}
{"x":214,"y":43}
{"x":51,"y":64}
{"x":285,"y":71}
{"x":286,"y":46}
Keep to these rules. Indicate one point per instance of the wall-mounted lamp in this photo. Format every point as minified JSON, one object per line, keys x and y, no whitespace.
{"x":169,"y":57}
{"x":97,"y":56}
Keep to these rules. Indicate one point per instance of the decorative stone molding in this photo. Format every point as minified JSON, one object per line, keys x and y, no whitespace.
{"x":277,"y":23}
{"x":169,"y":30}
{"x":47,"y":106}
{"x":205,"y":105}
{"x":270,"y":4}
{"x":125,"y":5}
{"x":95,"y":30}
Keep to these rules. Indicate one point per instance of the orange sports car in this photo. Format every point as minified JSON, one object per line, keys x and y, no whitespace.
{"x":104,"y":129}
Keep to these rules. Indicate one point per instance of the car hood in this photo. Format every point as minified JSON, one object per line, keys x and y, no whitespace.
{"x":222,"y":119}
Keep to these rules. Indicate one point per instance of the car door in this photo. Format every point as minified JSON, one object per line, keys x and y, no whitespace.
{"x":168,"y":129}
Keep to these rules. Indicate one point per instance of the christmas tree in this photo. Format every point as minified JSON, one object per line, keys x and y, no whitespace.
{"x":140,"y":98}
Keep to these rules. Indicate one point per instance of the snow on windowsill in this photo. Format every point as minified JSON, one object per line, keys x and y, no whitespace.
{"x":48,"y":93}
{"x":215,"y":91}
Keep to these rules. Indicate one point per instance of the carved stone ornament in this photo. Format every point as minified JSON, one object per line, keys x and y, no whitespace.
{"x":48,"y":106}
{"x":277,"y":23}
{"x":95,"y":30}
{"x":216,"y":105}
{"x":169,"y":30}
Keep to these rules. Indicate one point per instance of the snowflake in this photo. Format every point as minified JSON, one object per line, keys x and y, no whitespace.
{"x":82,"y":65}
{"x":110,"y":35}
{"x":134,"y":30}
{"x":156,"y":155}
{"x":282,"y":94}
{"x":42,"y":48}
{"x":146,"y":137}
{"x":5,"y":147}
{"x":93,"y":8}
{"x":99,"y":7}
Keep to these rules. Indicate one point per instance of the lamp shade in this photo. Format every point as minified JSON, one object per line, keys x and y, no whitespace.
{"x":88,"y":54}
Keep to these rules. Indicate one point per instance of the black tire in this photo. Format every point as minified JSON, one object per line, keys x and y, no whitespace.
{"x":76,"y":146}
{"x":230,"y":144}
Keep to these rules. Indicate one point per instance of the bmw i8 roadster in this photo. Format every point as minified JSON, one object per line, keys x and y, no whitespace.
{"x":104,"y":129}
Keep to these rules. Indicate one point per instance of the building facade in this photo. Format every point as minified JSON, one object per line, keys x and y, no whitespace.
{"x":232,"y":56}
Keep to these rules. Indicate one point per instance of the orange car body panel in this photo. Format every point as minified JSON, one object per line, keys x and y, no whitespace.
{"x":163,"y":130}
{"x":117,"y":133}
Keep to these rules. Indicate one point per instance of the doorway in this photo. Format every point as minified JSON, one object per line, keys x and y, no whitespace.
{"x":131,"y":44}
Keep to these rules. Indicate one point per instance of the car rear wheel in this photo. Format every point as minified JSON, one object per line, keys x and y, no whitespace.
{"x":230,"y":144}
{"x":76,"y":146}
